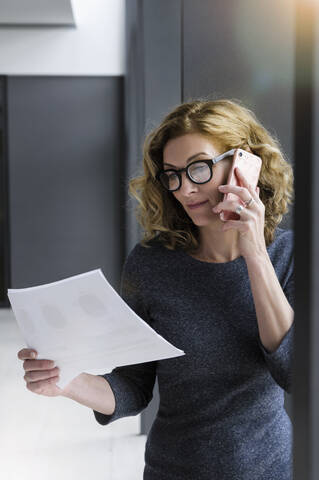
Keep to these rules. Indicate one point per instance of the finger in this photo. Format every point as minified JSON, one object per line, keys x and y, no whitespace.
{"x":36,"y":376}
{"x":229,"y":205}
{"x":27,"y":353}
{"x":235,"y":224}
{"x":29,"y":365}
{"x":241,"y":192}
{"x":41,"y":385}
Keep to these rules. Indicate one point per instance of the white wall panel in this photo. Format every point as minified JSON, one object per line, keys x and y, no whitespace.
{"x":94,"y":47}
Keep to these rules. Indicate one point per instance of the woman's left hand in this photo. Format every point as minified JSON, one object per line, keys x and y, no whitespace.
{"x":251,"y":240}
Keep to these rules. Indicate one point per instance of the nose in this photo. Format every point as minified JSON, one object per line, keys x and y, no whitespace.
{"x":187,"y":185}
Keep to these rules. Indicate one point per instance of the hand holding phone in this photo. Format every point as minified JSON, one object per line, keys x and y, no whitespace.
{"x":250,"y":166}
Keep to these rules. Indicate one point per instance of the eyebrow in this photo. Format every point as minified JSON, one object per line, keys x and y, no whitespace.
{"x":189,"y":159}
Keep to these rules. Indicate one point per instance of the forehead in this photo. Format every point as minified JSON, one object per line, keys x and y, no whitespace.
{"x":178,"y":150}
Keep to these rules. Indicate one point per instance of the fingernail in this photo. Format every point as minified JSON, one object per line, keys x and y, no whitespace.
{"x":33,"y":355}
{"x":221,"y":187}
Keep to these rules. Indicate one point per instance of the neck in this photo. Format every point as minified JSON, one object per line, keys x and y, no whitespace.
{"x":217,"y":246}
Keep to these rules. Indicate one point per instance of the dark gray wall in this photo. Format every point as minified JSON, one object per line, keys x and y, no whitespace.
{"x":65,"y":139}
{"x":4,"y":217}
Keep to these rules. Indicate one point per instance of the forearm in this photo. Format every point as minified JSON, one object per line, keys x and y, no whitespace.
{"x":92,"y":391}
{"x":274,"y":313}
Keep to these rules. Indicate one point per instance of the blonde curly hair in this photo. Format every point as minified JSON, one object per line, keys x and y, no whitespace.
{"x":232,"y":125}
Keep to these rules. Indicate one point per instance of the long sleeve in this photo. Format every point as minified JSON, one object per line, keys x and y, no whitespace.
{"x":132,"y":385}
{"x":280,"y":361}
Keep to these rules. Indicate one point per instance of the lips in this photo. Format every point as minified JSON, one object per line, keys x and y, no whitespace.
{"x":194,"y":205}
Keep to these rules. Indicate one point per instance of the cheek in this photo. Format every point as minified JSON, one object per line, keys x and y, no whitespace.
{"x":211,"y":189}
{"x":219,"y":179}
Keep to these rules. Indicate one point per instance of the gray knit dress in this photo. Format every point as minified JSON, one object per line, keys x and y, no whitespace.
{"x":221,"y":414}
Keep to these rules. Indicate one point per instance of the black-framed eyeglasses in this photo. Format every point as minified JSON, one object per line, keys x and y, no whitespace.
{"x":199,"y":171}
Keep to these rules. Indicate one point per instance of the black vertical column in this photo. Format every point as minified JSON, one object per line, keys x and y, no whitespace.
{"x":306,"y":226}
{"x":152,"y":88}
{"x":4,"y":207}
{"x":152,"y":82}
{"x":134,"y":110}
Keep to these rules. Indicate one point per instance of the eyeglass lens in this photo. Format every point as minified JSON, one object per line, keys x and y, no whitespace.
{"x":199,"y":173}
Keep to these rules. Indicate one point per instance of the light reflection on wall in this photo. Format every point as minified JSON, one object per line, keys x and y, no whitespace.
{"x":264,"y":33}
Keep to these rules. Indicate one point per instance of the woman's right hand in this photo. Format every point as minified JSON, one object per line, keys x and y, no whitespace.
{"x":40,"y":375}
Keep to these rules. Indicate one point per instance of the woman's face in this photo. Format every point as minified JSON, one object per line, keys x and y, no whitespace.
{"x":176,"y":153}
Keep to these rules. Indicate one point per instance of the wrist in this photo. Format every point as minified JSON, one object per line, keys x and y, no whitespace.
{"x":72,"y":387}
{"x":258,"y":258}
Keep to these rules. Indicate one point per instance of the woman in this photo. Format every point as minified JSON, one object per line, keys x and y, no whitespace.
{"x":220,"y":291}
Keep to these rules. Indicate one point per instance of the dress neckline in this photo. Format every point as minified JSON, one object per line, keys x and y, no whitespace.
{"x":197,"y":261}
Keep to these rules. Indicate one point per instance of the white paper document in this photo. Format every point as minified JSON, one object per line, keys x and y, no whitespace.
{"x":83,"y":325}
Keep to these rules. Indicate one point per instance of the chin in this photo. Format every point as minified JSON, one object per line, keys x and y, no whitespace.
{"x":203,"y":221}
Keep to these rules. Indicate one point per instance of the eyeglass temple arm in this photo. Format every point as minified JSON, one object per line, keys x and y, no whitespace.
{"x":226,"y":154}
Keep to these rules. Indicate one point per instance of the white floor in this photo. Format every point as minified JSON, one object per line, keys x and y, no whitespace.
{"x":43,"y":438}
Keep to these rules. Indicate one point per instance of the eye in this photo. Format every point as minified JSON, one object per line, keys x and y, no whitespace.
{"x":170,"y":173}
{"x":198,"y":167}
